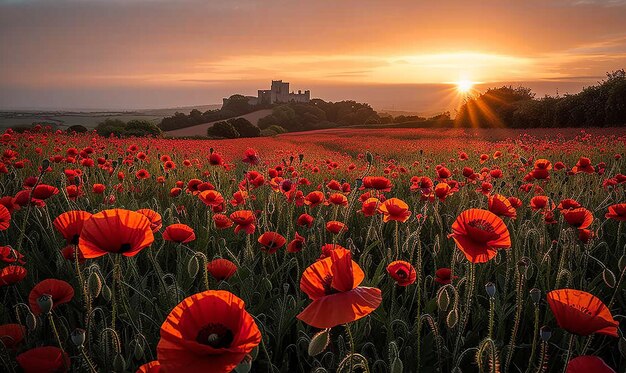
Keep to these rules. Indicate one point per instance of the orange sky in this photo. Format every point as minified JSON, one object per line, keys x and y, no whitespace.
{"x":157,"y":53}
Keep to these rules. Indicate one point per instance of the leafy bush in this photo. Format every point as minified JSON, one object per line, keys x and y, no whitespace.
{"x":223,"y":129}
{"x":77,"y":128}
{"x":244,"y":127}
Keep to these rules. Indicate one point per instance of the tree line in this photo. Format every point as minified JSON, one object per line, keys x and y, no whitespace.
{"x":599,"y":105}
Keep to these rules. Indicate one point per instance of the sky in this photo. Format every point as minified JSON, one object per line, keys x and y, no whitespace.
{"x":395,"y":55}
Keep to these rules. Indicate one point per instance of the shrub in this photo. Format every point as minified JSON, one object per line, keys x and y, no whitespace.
{"x":223,"y":129}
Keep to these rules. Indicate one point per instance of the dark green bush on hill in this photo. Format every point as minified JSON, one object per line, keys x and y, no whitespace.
{"x":135,"y":127}
{"x":223,"y":129}
{"x":318,"y":114}
{"x":77,"y":128}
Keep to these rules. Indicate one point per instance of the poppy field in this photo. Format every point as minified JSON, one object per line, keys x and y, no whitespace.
{"x":353,"y":250}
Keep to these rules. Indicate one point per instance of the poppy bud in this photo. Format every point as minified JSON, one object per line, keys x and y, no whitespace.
{"x":291,"y":160}
{"x":45,"y":164}
{"x":319,"y":342}
{"x":545,"y":333}
{"x":120,"y":160}
{"x":45,"y":303}
{"x":78,"y":337}
{"x":210,"y":150}
{"x":523,"y":160}
{"x":300,"y":157}
{"x":358,"y":183}
{"x":369,"y":157}
{"x":31,"y":321}
{"x":535,"y":295}
{"x":490,"y":288}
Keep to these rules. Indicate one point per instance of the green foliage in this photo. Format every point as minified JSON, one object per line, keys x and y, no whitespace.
{"x":244,"y":127}
{"x":235,"y":105}
{"x":603,"y":104}
{"x":319,"y":114}
{"x":223,"y":129}
{"x":77,"y":128}
{"x":135,"y":127}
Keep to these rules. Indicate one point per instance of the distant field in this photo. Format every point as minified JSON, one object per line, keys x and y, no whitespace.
{"x":89,"y":119}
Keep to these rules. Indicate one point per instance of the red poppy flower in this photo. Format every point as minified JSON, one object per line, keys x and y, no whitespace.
{"x":588,"y":364}
{"x":215,"y":159}
{"x":70,"y":225}
{"x":222,"y":221}
{"x":69,"y":253}
{"x":245,"y":221}
{"x":328,"y":248}
{"x":296,"y":244}
{"x":444,"y":276}
{"x":98,"y":188}
{"x":541,"y":203}
{"x":515,"y":202}
{"x":379,"y":183}
{"x":442,"y":191}
{"x":568,"y":203}
{"x":617,"y":212}
{"x":239,"y":198}
{"x":44,"y":191}
{"x":156,"y":221}
{"x":151,"y":367}
{"x":142,"y":174}
{"x":581,"y":313}
{"x":221,"y":269}
{"x":501,"y":206}
{"x":271,"y":242}
{"x":115,"y":231}
{"x":211,"y":198}
{"x":305,"y":220}
{"x":10,"y":255}
{"x":336,"y":227}
{"x":583,"y":165}
{"x":314,"y":198}
{"x":12,"y":275}
{"x":9,"y":203}
{"x":181,"y":233}
{"x":207,"y":332}
{"x":394,"y":209}
{"x":402,"y":272}
{"x":61,"y":293}
{"x":580,"y":218}
{"x":5,"y":218}
{"x":250,"y":156}
{"x":333,"y":286}
{"x":370,"y":206}
{"x":48,"y":359}
{"x":337,"y":199}
{"x":479,"y":234}
{"x":11,"y":335}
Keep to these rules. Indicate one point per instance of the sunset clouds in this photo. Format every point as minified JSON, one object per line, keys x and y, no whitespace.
{"x":160,"y":53}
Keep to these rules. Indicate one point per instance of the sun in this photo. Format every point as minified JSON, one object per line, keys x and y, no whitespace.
{"x":464,"y":86}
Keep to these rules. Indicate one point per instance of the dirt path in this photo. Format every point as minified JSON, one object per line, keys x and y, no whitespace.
{"x":200,"y":129}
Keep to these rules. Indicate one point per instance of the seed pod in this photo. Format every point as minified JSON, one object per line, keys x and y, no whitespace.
{"x":45,"y":303}
{"x":78,"y":337}
{"x":490,"y":288}
{"x":545,"y":333}
{"x":452,"y":318}
{"x":535,"y":295}
{"x":45,"y":164}
{"x":319,"y":342}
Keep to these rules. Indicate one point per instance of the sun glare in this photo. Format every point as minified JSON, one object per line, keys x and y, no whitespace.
{"x":464,"y":86}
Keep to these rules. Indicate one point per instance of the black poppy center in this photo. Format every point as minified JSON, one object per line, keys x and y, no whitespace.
{"x":75,"y":239}
{"x":125,"y":248}
{"x":328,"y":289}
{"x":215,"y":335}
{"x":401,"y":273}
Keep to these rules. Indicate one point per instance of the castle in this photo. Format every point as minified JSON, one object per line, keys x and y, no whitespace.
{"x":278,"y":93}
